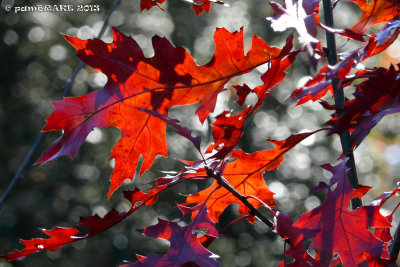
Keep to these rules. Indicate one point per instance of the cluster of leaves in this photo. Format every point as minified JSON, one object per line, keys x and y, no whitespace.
{"x":140,"y":91}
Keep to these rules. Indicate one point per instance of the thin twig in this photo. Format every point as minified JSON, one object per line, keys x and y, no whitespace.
{"x":284,"y":252}
{"x":235,"y":221}
{"x":264,"y":204}
{"x":345,"y":138}
{"x":40,"y":137}
{"x":253,"y":211}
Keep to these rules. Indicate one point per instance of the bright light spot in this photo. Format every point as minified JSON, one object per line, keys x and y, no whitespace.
{"x":156,"y":22}
{"x":45,"y":18}
{"x":393,"y":50}
{"x":385,"y":212}
{"x":251,"y":99}
{"x":117,"y":19}
{"x":112,"y":163}
{"x":10,"y":37}
{"x":40,"y":247}
{"x":300,"y":191}
{"x":392,"y":154}
{"x":100,"y":210}
{"x":85,"y":32}
{"x":86,"y":172}
{"x":302,"y":160}
{"x":279,"y":189}
{"x":100,"y":79}
{"x":233,"y":18}
{"x":57,"y":52}
{"x":295,"y":112}
{"x":312,"y":202}
{"x":72,"y":31}
{"x":222,"y":103}
{"x":262,"y":68}
{"x":123,"y":207}
{"x":36,"y":34}
{"x":95,"y":136}
{"x":303,"y":80}
{"x":264,"y":120}
{"x":281,"y":132}
{"x":96,"y":27}
{"x":309,"y":140}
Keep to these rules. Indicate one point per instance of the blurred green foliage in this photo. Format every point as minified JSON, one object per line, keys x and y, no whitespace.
{"x":35,"y":64}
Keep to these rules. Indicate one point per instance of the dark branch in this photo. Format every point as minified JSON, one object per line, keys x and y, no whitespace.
{"x":253,"y":211}
{"x":394,"y":248}
{"x":345,"y":138}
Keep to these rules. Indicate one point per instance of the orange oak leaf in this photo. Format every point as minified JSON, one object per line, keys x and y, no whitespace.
{"x":271,"y":78}
{"x":60,"y":236}
{"x":136,"y":83}
{"x":245,"y":175}
{"x":335,"y":224}
{"x":275,"y":74}
{"x":374,"y":12}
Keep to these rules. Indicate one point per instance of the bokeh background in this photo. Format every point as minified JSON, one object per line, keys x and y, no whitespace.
{"x":36,"y":63}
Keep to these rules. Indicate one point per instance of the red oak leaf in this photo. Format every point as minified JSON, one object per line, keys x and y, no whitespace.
{"x":185,"y":245}
{"x":147,"y":4}
{"x":345,"y":32}
{"x":60,"y":236}
{"x":374,"y":12}
{"x":336,"y":224}
{"x":301,"y":15}
{"x":242,"y":92}
{"x":245,"y":175}
{"x":380,"y":200}
{"x":167,"y":79}
{"x":317,"y":87}
{"x":374,"y":98}
{"x":377,"y":262}
{"x":383,"y":233}
{"x":199,"y":6}
{"x":386,"y":31}
{"x":284,"y":227}
{"x":227,"y":131}
{"x":383,"y":260}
